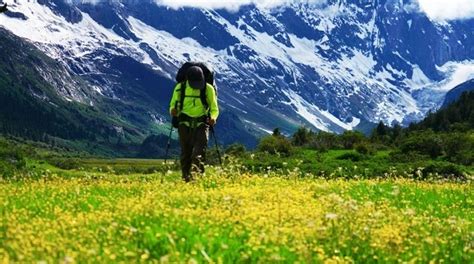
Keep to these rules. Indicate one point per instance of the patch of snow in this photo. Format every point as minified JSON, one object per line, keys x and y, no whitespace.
{"x":457,"y":72}
{"x":404,"y":105}
{"x":259,"y":127}
{"x":418,"y":80}
{"x":316,"y":117}
{"x":323,"y":43}
{"x":364,"y":64}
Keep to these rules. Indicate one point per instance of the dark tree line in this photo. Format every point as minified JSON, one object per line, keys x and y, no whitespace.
{"x":458,"y":116}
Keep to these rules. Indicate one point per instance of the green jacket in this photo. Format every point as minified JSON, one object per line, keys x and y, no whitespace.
{"x":192,"y":105}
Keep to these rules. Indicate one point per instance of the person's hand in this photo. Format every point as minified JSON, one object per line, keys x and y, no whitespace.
{"x":212,"y":121}
{"x":174,"y":112}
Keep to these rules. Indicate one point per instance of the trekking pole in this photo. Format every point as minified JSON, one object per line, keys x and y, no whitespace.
{"x":217,"y":145}
{"x":171,"y":132}
{"x":168,"y":144}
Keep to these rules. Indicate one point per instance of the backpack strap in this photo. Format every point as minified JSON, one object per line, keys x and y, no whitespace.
{"x":203,"y":96}
{"x":182,"y":95}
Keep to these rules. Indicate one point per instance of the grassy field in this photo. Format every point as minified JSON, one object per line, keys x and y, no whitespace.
{"x":231,"y":216}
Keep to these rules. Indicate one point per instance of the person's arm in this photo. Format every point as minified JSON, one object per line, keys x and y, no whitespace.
{"x":212,"y":99}
{"x":174,"y":100}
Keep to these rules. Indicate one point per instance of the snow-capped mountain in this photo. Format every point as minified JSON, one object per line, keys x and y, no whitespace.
{"x":333,"y":66}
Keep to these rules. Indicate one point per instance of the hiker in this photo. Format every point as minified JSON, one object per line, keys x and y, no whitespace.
{"x":194,"y":109}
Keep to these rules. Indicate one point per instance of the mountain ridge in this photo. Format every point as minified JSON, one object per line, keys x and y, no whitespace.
{"x":454,"y":94}
{"x":339,"y":66}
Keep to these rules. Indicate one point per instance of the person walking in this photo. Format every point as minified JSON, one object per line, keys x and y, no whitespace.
{"x":194,"y":106}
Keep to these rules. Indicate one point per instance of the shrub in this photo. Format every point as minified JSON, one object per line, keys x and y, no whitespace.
{"x":444,"y":170}
{"x":276,"y":132}
{"x":212,"y":156}
{"x":352,"y":156}
{"x":324,"y":141}
{"x":399,"y":156}
{"x":364,"y":149}
{"x":459,"y":148}
{"x":274,"y":145}
{"x":425,"y":143}
{"x":301,"y":136}
{"x":65,"y":164}
{"x":465,"y":157}
{"x":11,"y":163}
{"x":351,"y":138}
{"x":236,"y":149}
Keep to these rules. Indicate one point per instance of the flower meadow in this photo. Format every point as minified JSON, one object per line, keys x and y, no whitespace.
{"x":231,"y":216}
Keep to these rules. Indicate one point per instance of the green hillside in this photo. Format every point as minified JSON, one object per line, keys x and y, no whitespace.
{"x":33,"y":105}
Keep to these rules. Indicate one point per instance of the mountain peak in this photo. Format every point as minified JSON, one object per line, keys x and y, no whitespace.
{"x":333,"y":66}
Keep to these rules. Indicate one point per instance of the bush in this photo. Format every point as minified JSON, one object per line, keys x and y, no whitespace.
{"x":323,"y":141}
{"x":65,"y":163}
{"x":236,"y":150}
{"x":275,"y":144}
{"x":364,"y":149}
{"x":398,"y":156}
{"x":352,"y":156}
{"x":425,"y":143}
{"x":459,"y":148}
{"x":212,"y":156}
{"x":11,"y":163}
{"x":301,"y":137}
{"x":350,"y":138}
{"x":465,"y":157}
{"x":444,"y":170}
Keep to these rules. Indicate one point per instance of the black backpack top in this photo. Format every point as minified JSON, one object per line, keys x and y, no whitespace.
{"x":208,"y":74}
{"x":181,"y":78}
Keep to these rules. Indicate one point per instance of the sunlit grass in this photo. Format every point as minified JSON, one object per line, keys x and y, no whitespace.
{"x":230,"y":216}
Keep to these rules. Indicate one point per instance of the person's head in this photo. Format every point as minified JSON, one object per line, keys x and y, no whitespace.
{"x":195,"y":76}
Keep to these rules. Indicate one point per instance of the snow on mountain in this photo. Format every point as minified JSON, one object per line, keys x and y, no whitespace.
{"x":332,"y":67}
{"x":69,"y":42}
{"x":457,"y":73}
{"x":431,"y":94}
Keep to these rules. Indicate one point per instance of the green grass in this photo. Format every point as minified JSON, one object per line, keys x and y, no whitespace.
{"x":120,"y":162}
{"x":227,"y":216}
{"x":310,"y":207}
{"x":116,"y":166}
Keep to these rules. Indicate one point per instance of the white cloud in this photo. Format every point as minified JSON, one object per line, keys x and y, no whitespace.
{"x":435,"y":9}
{"x":448,"y":9}
{"x":85,"y":1}
{"x":232,"y":5}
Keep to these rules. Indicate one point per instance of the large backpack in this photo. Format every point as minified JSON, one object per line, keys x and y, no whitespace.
{"x":181,"y":78}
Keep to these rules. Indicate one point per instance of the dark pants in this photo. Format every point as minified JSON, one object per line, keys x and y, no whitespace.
{"x":193,"y":149}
